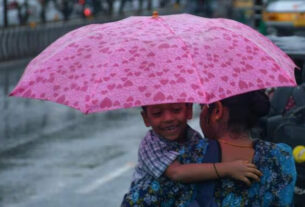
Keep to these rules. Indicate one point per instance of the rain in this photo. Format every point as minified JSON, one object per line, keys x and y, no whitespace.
{"x":53,"y":155}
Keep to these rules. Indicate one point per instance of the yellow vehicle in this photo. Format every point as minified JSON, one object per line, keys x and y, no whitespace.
{"x":285,"y":16}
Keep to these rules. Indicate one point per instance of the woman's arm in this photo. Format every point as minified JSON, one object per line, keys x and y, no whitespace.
{"x":189,"y":173}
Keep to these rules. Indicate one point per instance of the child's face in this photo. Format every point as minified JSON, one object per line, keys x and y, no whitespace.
{"x":168,"y":120}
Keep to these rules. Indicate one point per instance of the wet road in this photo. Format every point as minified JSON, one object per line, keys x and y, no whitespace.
{"x":89,"y":164}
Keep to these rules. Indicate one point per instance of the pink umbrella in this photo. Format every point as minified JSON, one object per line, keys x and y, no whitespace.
{"x":152,"y":60}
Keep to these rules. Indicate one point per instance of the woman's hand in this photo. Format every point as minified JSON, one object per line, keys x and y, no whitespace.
{"x":239,"y":170}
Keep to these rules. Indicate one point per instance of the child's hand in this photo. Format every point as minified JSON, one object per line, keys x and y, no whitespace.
{"x":243,"y":170}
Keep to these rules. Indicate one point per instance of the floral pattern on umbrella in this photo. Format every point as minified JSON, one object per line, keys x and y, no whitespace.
{"x":152,"y":60}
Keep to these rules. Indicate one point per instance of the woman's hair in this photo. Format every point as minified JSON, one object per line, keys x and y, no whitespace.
{"x":246,"y":109}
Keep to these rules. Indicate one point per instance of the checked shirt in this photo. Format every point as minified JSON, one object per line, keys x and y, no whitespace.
{"x":149,"y":186}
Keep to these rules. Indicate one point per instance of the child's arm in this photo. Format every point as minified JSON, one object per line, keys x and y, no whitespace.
{"x":189,"y":173}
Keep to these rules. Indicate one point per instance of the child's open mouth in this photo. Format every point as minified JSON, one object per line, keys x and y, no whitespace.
{"x":171,"y":129}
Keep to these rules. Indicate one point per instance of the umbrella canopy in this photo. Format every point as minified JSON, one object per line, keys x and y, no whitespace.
{"x":152,"y":60}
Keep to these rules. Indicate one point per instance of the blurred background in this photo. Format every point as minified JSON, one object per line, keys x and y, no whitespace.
{"x":51,"y":155}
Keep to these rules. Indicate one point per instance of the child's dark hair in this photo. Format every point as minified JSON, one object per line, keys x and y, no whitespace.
{"x":245,"y":109}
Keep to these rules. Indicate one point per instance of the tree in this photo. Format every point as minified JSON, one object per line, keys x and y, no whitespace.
{"x":110,"y":6}
{"x":97,"y":7}
{"x":43,"y":4}
{"x":5,"y":23}
{"x":23,"y":12}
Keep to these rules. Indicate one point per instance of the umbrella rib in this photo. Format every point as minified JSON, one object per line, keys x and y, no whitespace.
{"x":187,"y":49}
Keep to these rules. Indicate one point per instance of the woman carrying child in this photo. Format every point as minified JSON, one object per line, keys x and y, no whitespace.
{"x":170,"y":161}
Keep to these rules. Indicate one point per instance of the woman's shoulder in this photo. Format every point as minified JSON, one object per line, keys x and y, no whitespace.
{"x":274,"y":155}
{"x":270,"y":147}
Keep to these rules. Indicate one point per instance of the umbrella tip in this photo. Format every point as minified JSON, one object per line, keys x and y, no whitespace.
{"x":155,"y":14}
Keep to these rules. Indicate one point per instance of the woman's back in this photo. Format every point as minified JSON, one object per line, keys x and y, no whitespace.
{"x":277,"y":183}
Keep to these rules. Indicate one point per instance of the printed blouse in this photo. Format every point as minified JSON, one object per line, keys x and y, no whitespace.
{"x":276,"y":186}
